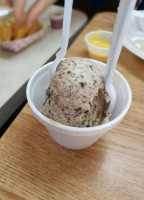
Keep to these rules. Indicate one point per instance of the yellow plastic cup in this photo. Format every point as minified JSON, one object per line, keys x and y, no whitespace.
{"x":98,"y":44}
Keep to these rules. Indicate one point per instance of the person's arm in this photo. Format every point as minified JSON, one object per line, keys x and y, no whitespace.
{"x":37,"y":8}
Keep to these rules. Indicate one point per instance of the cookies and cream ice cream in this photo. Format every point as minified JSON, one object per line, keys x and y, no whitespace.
{"x":76,"y":96}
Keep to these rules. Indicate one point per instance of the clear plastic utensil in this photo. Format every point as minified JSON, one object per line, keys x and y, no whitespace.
{"x":65,"y":36}
{"x":120,"y":27}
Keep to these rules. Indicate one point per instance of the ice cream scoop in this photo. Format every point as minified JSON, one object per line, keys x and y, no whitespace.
{"x":120,"y":27}
{"x":76,"y":96}
{"x":65,"y":36}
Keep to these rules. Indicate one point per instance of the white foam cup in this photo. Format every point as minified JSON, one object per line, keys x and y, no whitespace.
{"x":75,"y":137}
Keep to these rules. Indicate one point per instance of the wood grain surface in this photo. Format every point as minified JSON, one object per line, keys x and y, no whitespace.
{"x":34,"y":167}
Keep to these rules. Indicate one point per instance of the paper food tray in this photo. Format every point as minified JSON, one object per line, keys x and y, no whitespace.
{"x":17,"y":45}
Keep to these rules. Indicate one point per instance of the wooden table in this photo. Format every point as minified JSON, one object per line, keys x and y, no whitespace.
{"x":34,"y":167}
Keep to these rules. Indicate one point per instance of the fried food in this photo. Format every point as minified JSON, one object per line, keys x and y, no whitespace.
{"x":21,"y":32}
{"x":2,"y":26}
{"x":2,"y":23}
{"x":9,"y":30}
{"x":7,"y":33}
{"x":34,"y":28}
{"x":0,"y":35}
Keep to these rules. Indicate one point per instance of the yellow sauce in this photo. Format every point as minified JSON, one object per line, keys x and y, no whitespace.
{"x":96,"y":41}
{"x":101,"y":43}
{"x":102,"y":58}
